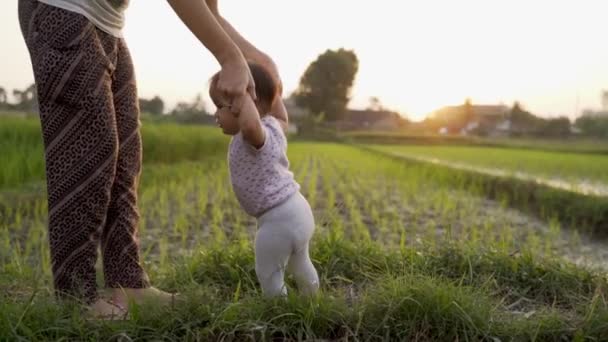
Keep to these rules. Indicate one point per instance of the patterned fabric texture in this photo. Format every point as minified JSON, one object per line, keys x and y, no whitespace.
{"x":90,"y":127}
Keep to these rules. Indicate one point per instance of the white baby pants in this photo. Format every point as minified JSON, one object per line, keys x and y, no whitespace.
{"x":281,"y":244}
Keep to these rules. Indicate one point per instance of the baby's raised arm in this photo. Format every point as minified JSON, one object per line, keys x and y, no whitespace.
{"x":250,"y":124}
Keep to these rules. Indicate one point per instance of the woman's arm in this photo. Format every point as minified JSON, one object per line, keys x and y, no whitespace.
{"x":253,"y":54}
{"x":249,"y":50}
{"x":235,"y":78}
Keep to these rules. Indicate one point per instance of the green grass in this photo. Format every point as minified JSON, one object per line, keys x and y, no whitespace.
{"x":570,"y":167}
{"x":586,"y":213}
{"x":22,"y":156}
{"x":570,"y":144}
{"x":369,"y":293}
{"x":575,"y":145}
{"x":405,"y":251}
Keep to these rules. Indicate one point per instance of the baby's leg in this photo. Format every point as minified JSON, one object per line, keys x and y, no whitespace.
{"x":304,"y":271}
{"x":272,"y":250}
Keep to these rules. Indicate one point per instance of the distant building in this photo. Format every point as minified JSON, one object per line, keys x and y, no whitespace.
{"x":294,"y":111}
{"x":599,"y":113}
{"x":476,"y":110}
{"x":379,"y":120}
{"x":292,"y":128}
{"x":353,"y":119}
{"x":595,"y":113}
{"x":471,"y":119}
{"x":501,"y":129}
{"x":296,"y":115}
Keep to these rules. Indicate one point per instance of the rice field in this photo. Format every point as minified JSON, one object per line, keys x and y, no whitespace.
{"x":571,"y":168}
{"x":405,"y":251}
{"x":22,"y":157}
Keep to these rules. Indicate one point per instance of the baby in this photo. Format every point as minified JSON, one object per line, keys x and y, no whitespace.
{"x":266,"y":188}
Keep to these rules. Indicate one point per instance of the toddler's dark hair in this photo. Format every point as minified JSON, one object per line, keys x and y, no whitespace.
{"x":266,"y":88}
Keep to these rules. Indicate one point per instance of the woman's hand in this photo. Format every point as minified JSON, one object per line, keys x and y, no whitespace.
{"x":236,"y":83}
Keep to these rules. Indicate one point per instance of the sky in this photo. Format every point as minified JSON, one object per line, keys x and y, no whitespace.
{"x":415,"y":56}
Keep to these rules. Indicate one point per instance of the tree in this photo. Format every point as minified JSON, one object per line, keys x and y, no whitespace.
{"x":27,"y":100}
{"x":326,"y":84}
{"x":468,"y":114}
{"x":524,"y":122}
{"x":375,"y":104}
{"x":3,"y":97}
{"x":192,"y":113}
{"x":155,"y":106}
{"x":595,"y":126}
{"x":558,"y":127}
{"x":461,"y":118}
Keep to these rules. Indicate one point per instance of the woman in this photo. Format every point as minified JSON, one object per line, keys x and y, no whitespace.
{"x":90,"y":126}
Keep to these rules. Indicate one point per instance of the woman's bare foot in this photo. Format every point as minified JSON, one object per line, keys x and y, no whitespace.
{"x":103,"y":310}
{"x":122,"y":296}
